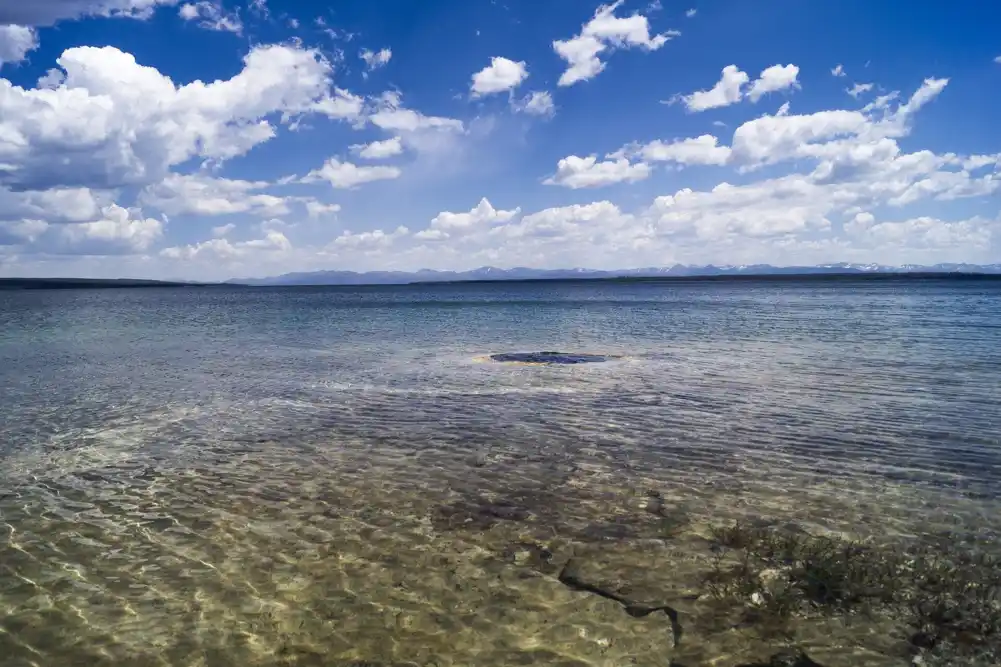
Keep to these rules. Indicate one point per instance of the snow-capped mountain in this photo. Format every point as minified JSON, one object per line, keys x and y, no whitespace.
{"x":523,"y":273}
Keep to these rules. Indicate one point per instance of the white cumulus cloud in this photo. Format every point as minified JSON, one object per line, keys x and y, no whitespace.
{"x":730,"y":89}
{"x":16,"y":41}
{"x":368,"y":241}
{"x":586,"y":172}
{"x":576,"y":235}
{"x":199,"y":194}
{"x":481,"y":218}
{"x":605,"y":31}
{"x":317,"y":209}
{"x":852,"y":165}
{"x":116,"y":231}
{"x":113,"y":122}
{"x":378,"y":150}
{"x":345,"y":175}
{"x":222,"y":249}
{"x":927,"y":232}
{"x":536,"y":103}
{"x":501,"y":75}
{"x":727,"y":91}
{"x":105,"y":159}
{"x":55,"y":205}
{"x":774,"y":79}
{"x":704,"y":150}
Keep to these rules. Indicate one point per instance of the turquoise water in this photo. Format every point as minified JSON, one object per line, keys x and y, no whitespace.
{"x":341,"y":476}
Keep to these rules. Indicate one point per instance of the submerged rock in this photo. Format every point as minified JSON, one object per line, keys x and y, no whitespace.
{"x":481,"y":515}
{"x":572,"y":577}
{"x":533,"y":555}
{"x":549,"y":358}
{"x":787,"y":658}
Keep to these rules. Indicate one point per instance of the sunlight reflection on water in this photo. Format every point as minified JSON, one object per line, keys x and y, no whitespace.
{"x":321,"y":477}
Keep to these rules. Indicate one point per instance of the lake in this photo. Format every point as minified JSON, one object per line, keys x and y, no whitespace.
{"x":343,"y":476}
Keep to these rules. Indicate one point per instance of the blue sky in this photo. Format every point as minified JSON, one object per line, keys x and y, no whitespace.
{"x":165,"y":138}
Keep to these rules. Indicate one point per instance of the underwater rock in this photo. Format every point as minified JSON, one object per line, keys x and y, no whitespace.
{"x":549,"y":358}
{"x":616,"y":529}
{"x":661,"y":523}
{"x":477,"y":516}
{"x":368,"y":663}
{"x":532,"y":556}
{"x":672,"y":519}
{"x":654,"y":503}
{"x":571,"y":577}
{"x":787,"y":658}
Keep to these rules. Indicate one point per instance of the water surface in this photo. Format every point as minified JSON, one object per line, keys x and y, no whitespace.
{"x":341,"y":476}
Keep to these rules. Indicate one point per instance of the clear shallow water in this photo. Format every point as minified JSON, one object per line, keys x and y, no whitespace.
{"x":338,"y":477}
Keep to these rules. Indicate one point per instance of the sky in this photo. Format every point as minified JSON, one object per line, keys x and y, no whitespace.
{"x":221,"y":139}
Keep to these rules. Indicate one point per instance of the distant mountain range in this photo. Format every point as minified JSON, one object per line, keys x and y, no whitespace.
{"x":489,"y":273}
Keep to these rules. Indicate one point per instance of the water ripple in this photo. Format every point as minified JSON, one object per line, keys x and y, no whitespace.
{"x":255,"y":477}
